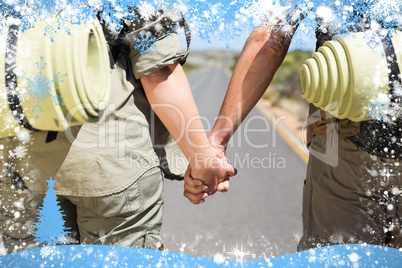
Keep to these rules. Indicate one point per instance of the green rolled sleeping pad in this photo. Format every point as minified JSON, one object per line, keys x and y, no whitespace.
{"x":348,"y":73}
{"x":59,"y":81}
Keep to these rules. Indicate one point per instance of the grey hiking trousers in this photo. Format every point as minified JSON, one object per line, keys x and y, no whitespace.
{"x":131,"y":218}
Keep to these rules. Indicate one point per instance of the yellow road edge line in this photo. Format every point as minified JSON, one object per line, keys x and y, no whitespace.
{"x":285,"y":133}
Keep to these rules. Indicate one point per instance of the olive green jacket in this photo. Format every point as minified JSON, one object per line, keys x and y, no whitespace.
{"x":103,"y":158}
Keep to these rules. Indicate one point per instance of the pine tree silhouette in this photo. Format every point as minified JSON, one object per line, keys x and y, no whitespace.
{"x":50,"y":226}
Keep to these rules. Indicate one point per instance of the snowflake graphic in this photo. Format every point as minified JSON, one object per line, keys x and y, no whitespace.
{"x":239,"y":253}
{"x":208,"y":19}
{"x":48,"y":251}
{"x":208,"y":31}
{"x":165,"y":252}
{"x":49,"y":31}
{"x":373,"y":40}
{"x":102,"y":237}
{"x":303,"y":33}
{"x":219,"y":258}
{"x":144,"y":42}
{"x":229,"y":33}
{"x":40,"y":87}
{"x":288,"y":30}
{"x":329,"y":257}
{"x":385,"y":8}
{"x":19,"y":152}
{"x":146,"y":10}
{"x":379,"y":109}
{"x":63,"y":23}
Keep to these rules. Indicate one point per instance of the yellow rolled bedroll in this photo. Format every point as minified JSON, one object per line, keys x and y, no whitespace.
{"x":346,"y":74}
{"x":53,"y":77}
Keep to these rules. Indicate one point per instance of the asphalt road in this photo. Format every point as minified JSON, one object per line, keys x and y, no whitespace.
{"x":261,"y":214}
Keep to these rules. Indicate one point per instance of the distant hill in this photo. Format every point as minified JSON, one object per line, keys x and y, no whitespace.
{"x":209,"y":59}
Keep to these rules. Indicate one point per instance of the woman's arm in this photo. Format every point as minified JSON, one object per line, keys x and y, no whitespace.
{"x":169,"y":94}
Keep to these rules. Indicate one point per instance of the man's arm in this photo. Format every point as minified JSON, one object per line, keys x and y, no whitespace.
{"x":262,"y":55}
{"x":169,"y":94}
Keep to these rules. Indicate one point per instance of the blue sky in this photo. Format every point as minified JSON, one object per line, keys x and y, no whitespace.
{"x":228,"y":20}
{"x":238,"y":43}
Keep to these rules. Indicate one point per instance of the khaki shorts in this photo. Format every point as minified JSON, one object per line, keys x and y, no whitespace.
{"x":131,"y":218}
{"x":350,"y":196}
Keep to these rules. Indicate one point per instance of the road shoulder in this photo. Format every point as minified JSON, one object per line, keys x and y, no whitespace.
{"x":290,"y":127}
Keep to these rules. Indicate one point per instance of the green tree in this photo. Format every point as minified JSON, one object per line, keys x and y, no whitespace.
{"x":287,"y":79}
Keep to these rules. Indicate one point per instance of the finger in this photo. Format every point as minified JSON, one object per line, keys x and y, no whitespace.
{"x":193,"y":182}
{"x":220,"y":153}
{"x":195,"y":189}
{"x":198,"y":182}
{"x":211,"y":190}
{"x":231,"y":171}
{"x":223,"y":186}
{"x":195,"y":198}
{"x":190,"y":180}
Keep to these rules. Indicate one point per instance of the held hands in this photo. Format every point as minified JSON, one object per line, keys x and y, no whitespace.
{"x":210,"y":174}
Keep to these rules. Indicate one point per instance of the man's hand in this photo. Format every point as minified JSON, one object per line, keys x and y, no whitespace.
{"x":196,"y":190}
{"x":211,"y":170}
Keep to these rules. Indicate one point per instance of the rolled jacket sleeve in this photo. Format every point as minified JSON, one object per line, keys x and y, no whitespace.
{"x":164,"y":51}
